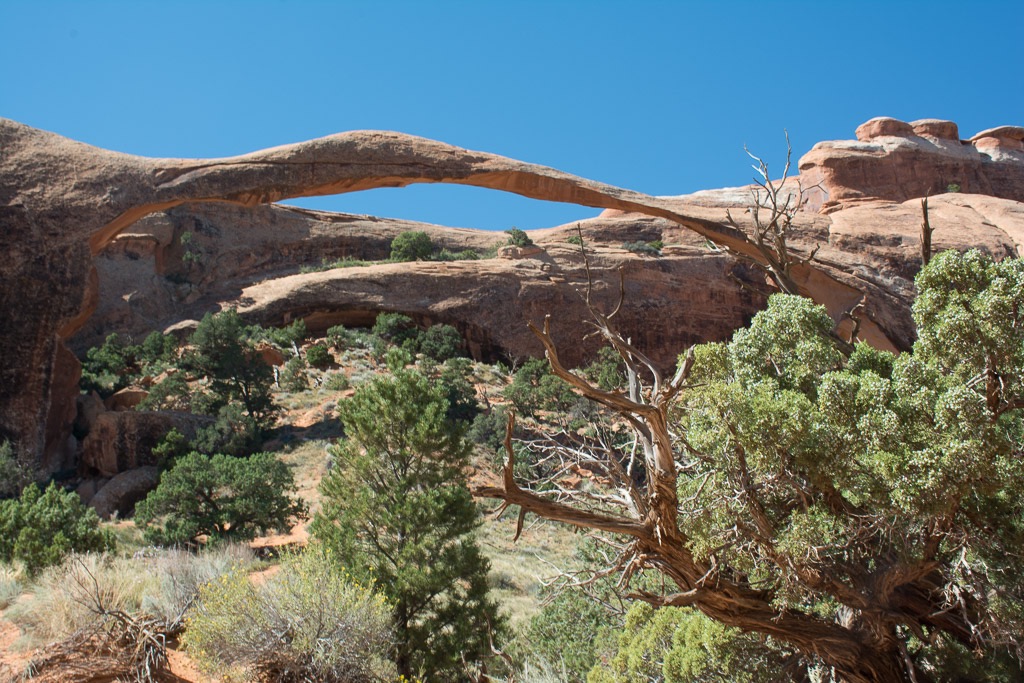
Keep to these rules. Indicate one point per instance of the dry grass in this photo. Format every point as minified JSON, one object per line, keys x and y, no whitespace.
{"x":519,"y":570}
{"x":160,"y":583}
{"x":11,"y":582}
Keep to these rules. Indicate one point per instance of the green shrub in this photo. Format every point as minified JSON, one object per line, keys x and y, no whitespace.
{"x":413,"y":245}
{"x":308,"y":622}
{"x":318,"y":356}
{"x":221,"y":497}
{"x":575,"y":239}
{"x":464,"y":255}
{"x":648,"y":248}
{"x":40,"y":527}
{"x":232,"y":433}
{"x":341,"y":338}
{"x":344,"y":262}
{"x":293,"y":375}
{"x":441,"y":342}
{"x":607,"y":371}
{"x":488,"y":429}
{"x":534,"y":388}
{"x":518,"y":238}
{"x":286,"y":337}
{"x":397,"y":329}
{"x":337,"y":381}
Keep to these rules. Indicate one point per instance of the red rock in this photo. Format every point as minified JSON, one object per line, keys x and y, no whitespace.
{"x":936,"y":128}
{"x":883,"y":126}
{"x":126,"y":399}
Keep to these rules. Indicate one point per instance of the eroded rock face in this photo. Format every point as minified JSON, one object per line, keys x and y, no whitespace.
{"x":123,"y":440}
{"x":63,"y":203}
{"x":897,"y":161}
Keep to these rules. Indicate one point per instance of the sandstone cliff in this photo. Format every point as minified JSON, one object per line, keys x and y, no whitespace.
{"x":63,"y":203}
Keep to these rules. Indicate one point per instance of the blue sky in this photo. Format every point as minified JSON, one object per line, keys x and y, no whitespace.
{"x":654,"y":96}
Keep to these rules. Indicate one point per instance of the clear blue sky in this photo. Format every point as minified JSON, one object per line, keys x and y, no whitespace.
{"x":655,"y":96}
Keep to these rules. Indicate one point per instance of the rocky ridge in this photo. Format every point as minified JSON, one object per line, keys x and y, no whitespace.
{"x":95,"y":233}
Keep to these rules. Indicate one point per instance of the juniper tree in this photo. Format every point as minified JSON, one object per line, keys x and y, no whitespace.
{"x":861,"y":508}
{"x":396,"y":509}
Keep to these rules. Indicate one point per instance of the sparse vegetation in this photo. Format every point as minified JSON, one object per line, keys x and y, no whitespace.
{"x":518,"y":238}
{"x":310,"y":621}
{"x":647,"y":248}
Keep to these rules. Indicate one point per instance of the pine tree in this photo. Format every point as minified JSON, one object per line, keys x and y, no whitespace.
{"x":396,"y":509}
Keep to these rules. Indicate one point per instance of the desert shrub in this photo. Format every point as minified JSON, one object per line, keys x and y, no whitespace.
{"x":648,"y":248}
{"x":116,"y":363}
{"x":318,"y":356}
{"x":680,"y":645}
{"x":413,"y":245}
{"x":344,"y":262}
{"x":337,"y":382}
{"x":293,"y":375}
{"x":159,"y":583}
{"x":10,"y":585}
{"x":233,"y":432}
{"x":286,"y":337}
{"x":398,"y":329}
{"x":575,"y":239}
{"x":460,"y":392}
{"x":221,"y":497}
{"x":534,"y":388}
{"x":518,"y":238}
{"x":464,"y":255}
{"x":340,"y":338}
{"x":309,"y":621}
{"x":488,"y":429}
{"x":441,"y":342}
{"x":607,"y":371}
{"x":42,"y":526}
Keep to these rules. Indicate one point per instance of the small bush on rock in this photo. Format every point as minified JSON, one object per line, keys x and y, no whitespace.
{"x":413,"y":245}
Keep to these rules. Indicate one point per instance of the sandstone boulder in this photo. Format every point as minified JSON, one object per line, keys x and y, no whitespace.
{"x":126,"y":399}
{"x":121,"y":441}
{"x":123,"y":491}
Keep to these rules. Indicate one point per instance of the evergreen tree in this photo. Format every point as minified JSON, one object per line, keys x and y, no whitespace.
{"x":396,"y":509}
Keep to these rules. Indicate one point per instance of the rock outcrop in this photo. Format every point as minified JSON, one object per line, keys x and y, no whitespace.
{"x":62,"y":203}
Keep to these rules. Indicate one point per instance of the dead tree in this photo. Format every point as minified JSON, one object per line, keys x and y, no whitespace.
{"x":772,"y":211}
{"x":641,"y":517}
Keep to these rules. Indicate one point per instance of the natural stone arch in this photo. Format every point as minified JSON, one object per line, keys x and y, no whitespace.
{"x":61,"y":201}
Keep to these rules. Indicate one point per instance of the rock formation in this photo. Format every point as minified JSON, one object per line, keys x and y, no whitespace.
{"x":62,"y":203}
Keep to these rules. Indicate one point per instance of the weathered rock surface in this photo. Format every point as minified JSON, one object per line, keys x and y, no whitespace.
{"x":123,"y":440}
{"x":121,"y":493}
{"x":62,"y":203}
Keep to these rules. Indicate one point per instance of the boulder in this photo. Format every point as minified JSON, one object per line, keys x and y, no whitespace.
{"x":883,"y":126}
{"x":124,"y":440}
{"x":126,"y":399}
{"x":122,"y":492}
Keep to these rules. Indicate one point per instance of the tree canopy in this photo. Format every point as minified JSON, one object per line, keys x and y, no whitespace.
{"x":396,"y":508}
{"x":862,"y":508}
